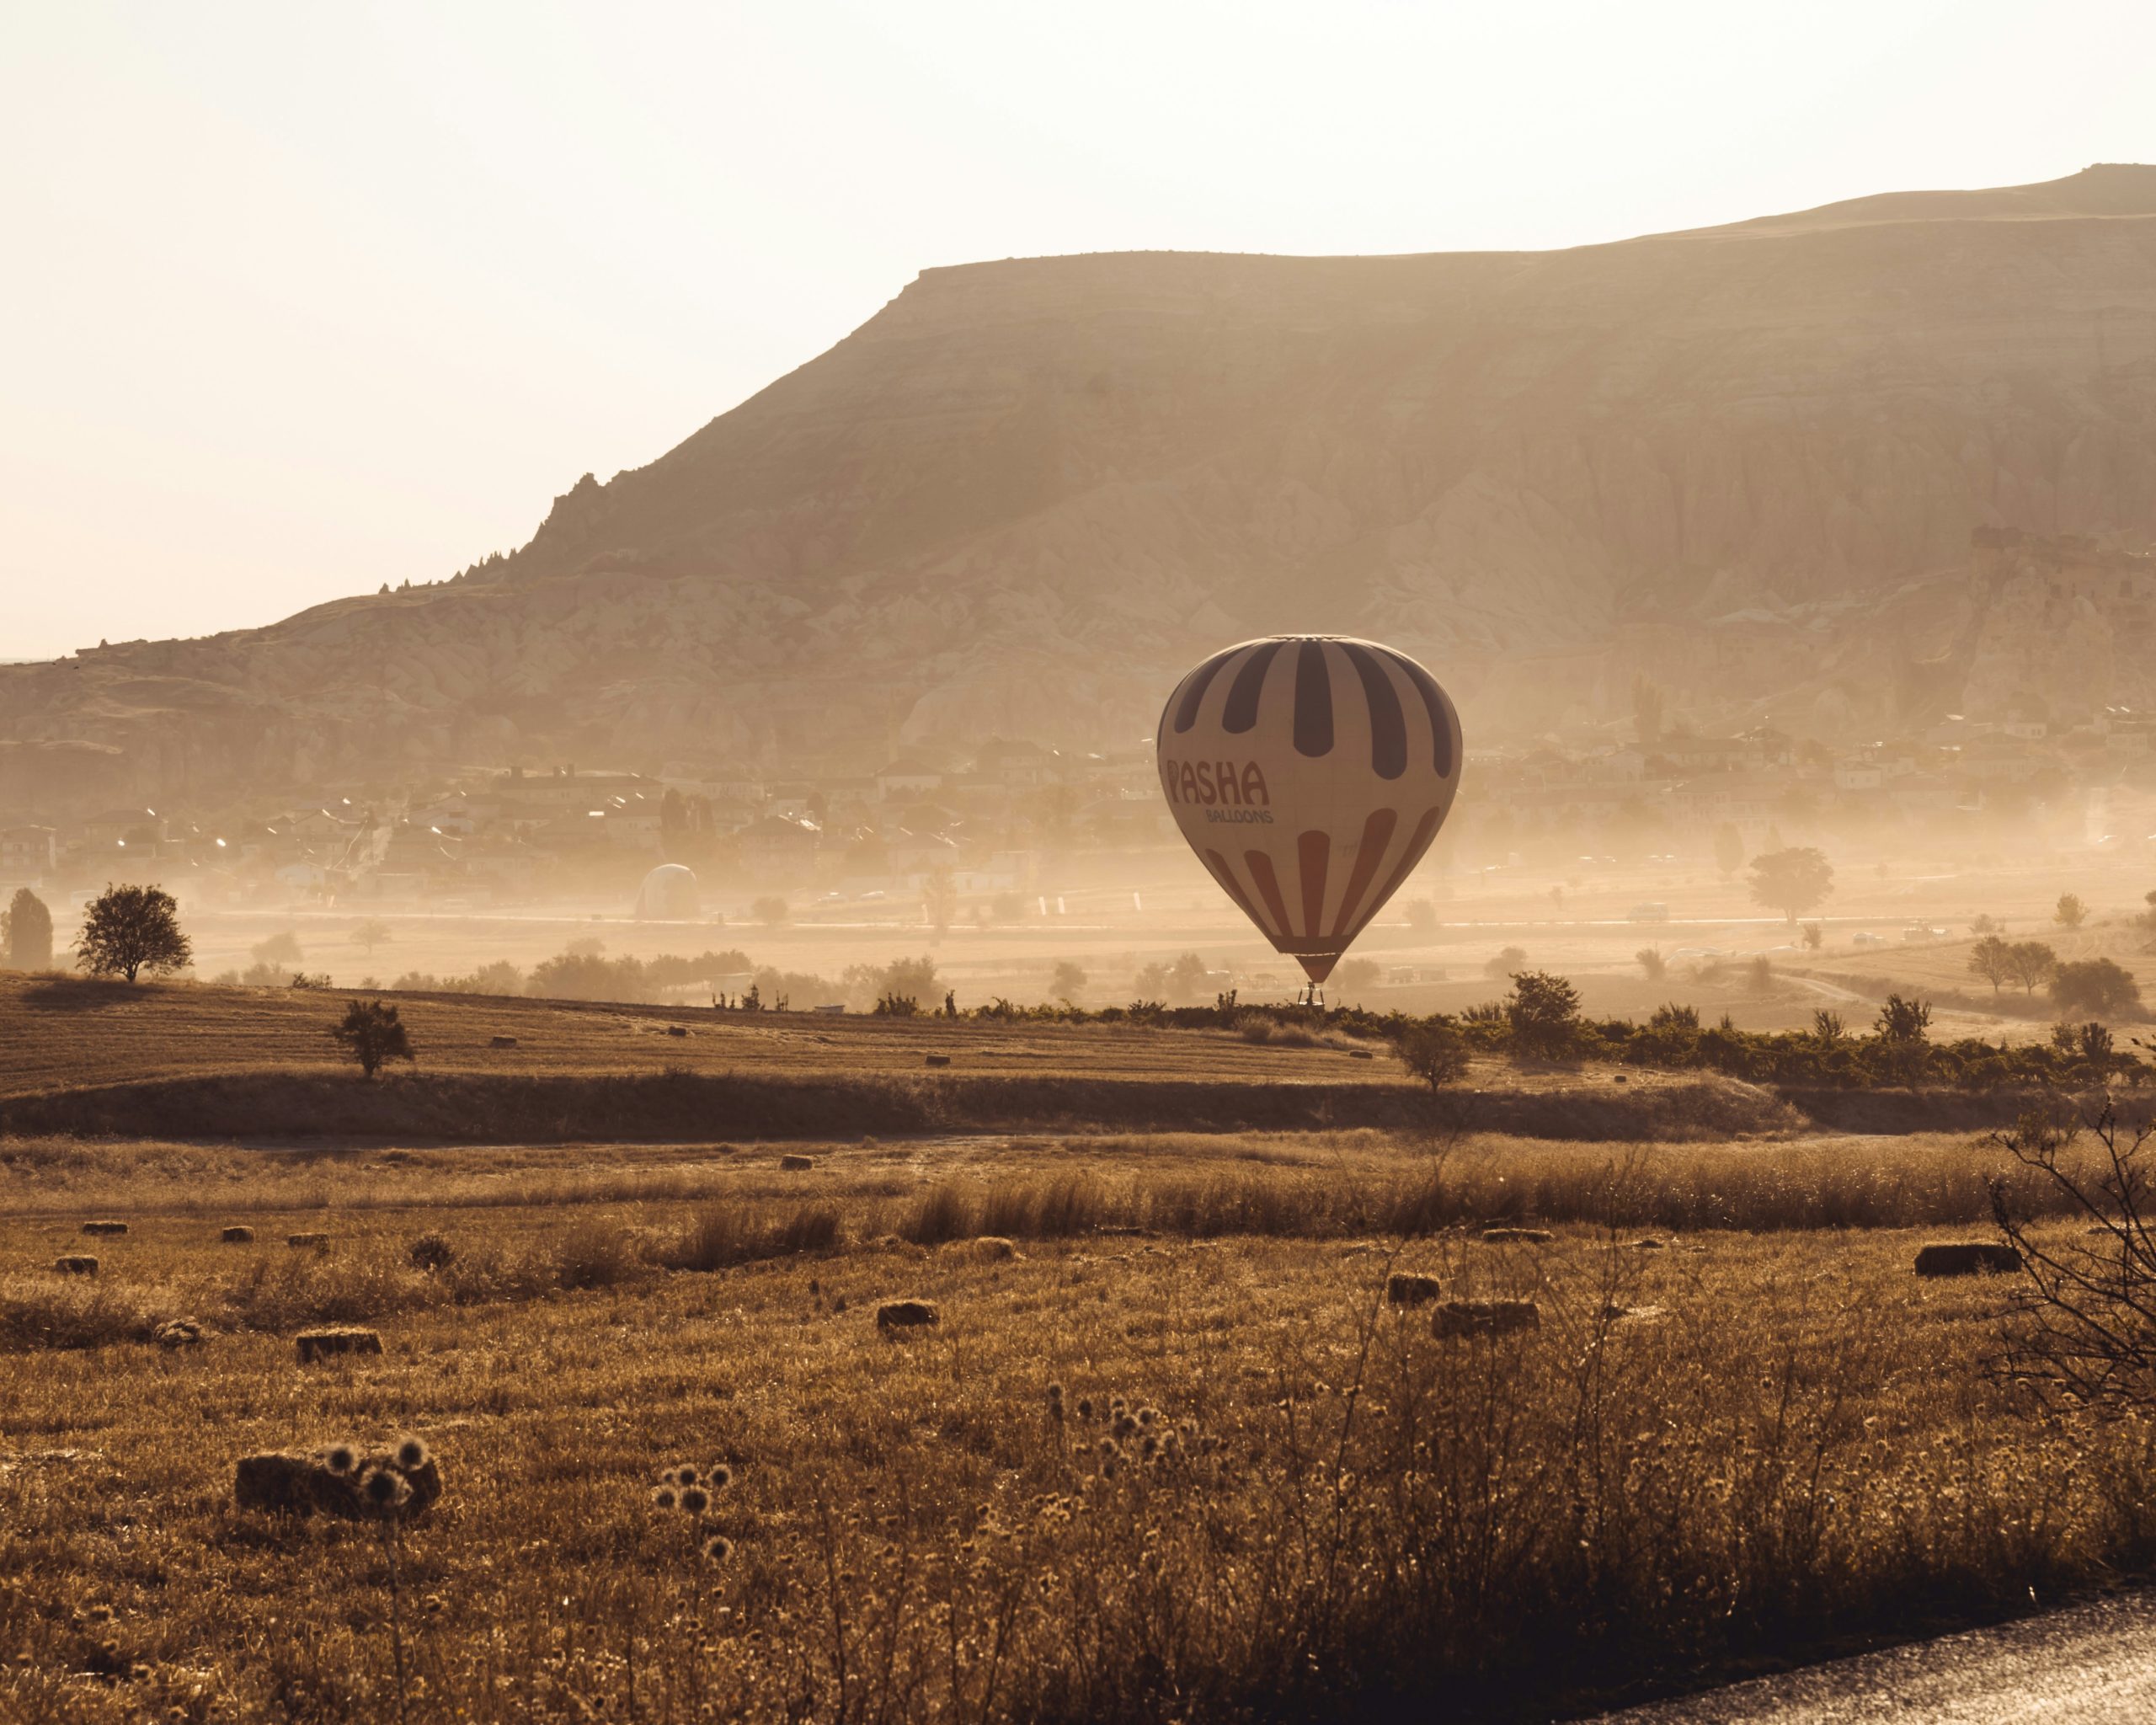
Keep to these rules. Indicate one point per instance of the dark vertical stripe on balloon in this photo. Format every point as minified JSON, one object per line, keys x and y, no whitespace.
{"x":1268,"y":889}
{"x":1232,"y":887}
{"x":1194,"y":688}
{"x":1313,"y":851}
{"x":1240,"y":713}
{"x":1313,"y":701}
{"x":1388,"y":723}
{"x":1442,"y":740}
{"x":1425,"y":831}
{"x":1377,"y":833}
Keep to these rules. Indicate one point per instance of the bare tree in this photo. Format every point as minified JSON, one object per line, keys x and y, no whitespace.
{"x":372,"y":933}
{"x":2085,"y":1329}
{"x":2032,"y":961}
{"x":1992,"y":959}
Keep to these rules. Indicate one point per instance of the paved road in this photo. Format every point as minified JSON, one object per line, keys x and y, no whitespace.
{"x":2092,"y":1664}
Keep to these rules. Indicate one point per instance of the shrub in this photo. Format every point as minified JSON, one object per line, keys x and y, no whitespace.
{"x":371,"y":1034}
{"x":1904,"y":1021}
{"x":593,"y":1252}
{"x":2095,"y":986}
{"x":1434,"y":1051}
{"x":1544,"y":1012}
{"x":430,"y":1251}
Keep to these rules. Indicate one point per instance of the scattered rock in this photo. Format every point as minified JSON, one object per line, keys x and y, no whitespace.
{"x":677,"y":1030}
{"x":336,"y":1338}
{"x":939,"y":1060}
{"x":238,"y":1235}
{"x":320,"y":1243}
{"x":907,"y":1315}
{"x":1360,"y":1053}
{"x":501,"y":1042}
{"x":1966,"y":1258}
{"x":994,"y":1247}
{"x":76,"y":1263}
{"x":1637,"y":1314}
{"x":1525,"y":1237}
{"x":1485,"y":1318}
{"x":105,"y":1228}
{"x":797,"y":1164}
{"x":179,"y":1332}
{"x":1412,"y":1288}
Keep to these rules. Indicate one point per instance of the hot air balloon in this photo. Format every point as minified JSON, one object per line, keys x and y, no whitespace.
{"x":1309,"y":773}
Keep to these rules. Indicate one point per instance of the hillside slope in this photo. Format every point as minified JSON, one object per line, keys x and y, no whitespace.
{"x":1748,"y":460}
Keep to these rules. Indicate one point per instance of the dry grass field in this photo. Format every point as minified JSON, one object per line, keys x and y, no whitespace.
{"x":70,"y":1033}
{"x":199,"y":1060}
{"x":1760,"y":1435}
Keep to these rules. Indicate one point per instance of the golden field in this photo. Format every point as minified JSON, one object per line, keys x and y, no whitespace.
{"x":1758,"y":1437}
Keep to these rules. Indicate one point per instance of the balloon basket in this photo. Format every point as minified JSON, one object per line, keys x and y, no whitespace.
{"x":1312,"y":995}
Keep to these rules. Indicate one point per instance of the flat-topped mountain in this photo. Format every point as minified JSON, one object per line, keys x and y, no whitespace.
{"x":1748,"y":461}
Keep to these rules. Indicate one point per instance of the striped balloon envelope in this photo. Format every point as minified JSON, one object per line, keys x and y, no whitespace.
{"x":1309,"y":773}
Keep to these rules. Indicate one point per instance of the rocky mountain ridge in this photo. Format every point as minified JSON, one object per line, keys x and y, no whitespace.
{"x":1746,"y":461}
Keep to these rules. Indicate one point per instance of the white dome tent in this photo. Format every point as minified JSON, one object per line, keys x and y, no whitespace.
{"x":669,"y":894}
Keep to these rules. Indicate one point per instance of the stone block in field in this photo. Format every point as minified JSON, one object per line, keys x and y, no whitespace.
{"x":334,"y":1339}
{"x":1412,"y":1288}
{"x":1966,"y":1258}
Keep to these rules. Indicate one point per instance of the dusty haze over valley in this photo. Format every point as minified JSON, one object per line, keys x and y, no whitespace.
{"x":1365,"y":930}
{"x":1845,"y":472}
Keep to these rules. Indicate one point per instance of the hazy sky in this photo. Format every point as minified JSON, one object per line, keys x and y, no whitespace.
{"x":302,"y":298}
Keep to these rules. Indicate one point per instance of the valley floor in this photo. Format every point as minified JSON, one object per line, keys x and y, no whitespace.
{"x":1741,"y":1429}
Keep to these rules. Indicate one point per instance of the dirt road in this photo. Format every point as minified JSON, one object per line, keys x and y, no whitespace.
{"x":2090,"y":1664}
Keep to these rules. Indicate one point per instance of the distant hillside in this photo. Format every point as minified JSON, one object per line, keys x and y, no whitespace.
{"x":1748,"y":461}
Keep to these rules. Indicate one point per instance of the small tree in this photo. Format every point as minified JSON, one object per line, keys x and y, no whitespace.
{"x":770,"y":911}
{"x":1187,"y":980}
{"x":1650,"y":959}
{"x":2093,"y":987}
{"x":1067,"y":982}
{"x":1791,"y":881}
{"x":2070,"y":912}
{"x":1504,"y":962}
{"x":29,"y":932}
{"x":2030,"y":961}
{"x":1434,"y":1051}
{"x":1729,"y":848}
{"x":1826,"y":1024}
{"x":1358,"y":975}
{"x":280,"y":948}
{"x":130,"y":929}
{"x":1992,"y":959}
{"x":1903,"y":1023}
{"x":370,"y":934}
{"x":371,"y":1034}
{"x":1544,"y":1011}
{"x":1815,"y":936}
